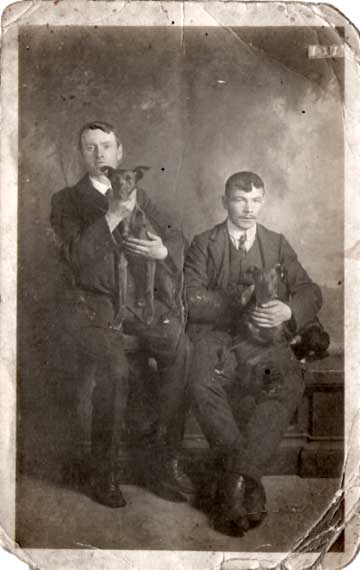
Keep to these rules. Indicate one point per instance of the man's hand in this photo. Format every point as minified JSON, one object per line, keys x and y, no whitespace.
{"x":118,"y":210}
{"x":151,"y":248}
{"x":270,"y":314}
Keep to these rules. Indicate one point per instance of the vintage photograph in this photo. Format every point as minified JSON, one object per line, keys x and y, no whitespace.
{"x":180,"y":287}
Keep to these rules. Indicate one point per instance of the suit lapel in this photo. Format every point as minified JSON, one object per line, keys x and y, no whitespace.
{"x":269,"y":246}
{"x":219,"y":252}
{"x":91,"y":200}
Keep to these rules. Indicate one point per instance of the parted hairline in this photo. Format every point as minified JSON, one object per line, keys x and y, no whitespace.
{"x":99,"y":125}
{"x":244,"y":180}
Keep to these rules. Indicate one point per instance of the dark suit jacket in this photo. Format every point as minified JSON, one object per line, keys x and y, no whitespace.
{"x":77,"y":217}
{"x":207,"y":273}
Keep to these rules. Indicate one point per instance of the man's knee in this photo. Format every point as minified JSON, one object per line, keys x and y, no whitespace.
{"x":205,"y":383}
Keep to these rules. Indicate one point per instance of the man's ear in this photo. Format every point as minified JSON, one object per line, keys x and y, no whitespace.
{"x":224,"y":202}
{"x":120,"y":153}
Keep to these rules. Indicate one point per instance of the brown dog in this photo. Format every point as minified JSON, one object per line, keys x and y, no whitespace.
{"x":264,"y":285}
{"x":148,"y":275}
{"x":267,"y":285}
{"x":310,"y":343}
{"x":123,"y":184}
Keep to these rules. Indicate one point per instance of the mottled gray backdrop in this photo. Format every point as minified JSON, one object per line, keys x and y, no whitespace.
{"x":196,"y":105}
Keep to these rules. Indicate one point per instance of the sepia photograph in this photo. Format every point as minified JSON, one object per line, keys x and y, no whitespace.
{"x":181,"y":193}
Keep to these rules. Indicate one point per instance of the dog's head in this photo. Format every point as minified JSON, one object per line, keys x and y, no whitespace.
{"x":267,"y":282}
{"x":124,"y":181}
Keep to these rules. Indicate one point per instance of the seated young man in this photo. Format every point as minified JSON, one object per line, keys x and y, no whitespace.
{"x":87,"y":220}
{"x":245,"y":381}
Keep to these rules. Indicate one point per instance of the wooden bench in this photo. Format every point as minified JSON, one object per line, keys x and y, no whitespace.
{"x":312,"y":447}
{"x":314,"y":443}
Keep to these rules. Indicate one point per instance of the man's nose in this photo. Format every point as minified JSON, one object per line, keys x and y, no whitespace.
{"x":248,"y":208}
{"x":98,"y":152}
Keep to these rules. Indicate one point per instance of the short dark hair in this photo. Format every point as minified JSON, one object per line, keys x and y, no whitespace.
{"x":102,"y":126}
{"x":243,"y":181}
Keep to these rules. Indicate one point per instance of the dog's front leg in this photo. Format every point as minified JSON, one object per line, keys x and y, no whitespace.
{"x":149,"y":308}
{"x":122,"y":283}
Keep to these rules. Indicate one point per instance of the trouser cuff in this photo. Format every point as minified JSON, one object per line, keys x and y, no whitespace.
{"x":237,"y":464}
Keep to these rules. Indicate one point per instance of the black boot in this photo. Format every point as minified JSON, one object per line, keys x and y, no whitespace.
{"x":174,"y":475}
{"x":229,"y":514}
{"x":255,"y":502}
{"x":105,"y":486}
{"x":165,"y":477}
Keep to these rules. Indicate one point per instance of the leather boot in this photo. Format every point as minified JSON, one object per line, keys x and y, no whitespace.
{"x":229,"y":514}
{"x":165,"y":477}
{"x":255,"y":502}
{"x":105,"y":488}
{"x":173,"y":473}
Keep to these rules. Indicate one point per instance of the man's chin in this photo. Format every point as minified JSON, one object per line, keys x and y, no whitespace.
{"x":245,"y":224}
{"x":98,"y":171}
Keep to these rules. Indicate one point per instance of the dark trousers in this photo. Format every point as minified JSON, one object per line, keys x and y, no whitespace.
{"x":244,"y":408}
{"x":113,"y":356}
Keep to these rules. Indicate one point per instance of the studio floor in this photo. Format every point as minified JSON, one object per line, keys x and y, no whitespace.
{"x":50,"y":515}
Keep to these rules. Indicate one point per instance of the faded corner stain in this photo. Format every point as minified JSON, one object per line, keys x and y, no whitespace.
{"x":353,"y":252}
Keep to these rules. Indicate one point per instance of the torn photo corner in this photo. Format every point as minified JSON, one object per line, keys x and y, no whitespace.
{"x":143,"y":421}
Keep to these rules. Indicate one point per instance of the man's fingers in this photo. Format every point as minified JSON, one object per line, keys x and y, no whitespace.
{"x":262,"y":313}
{"x":137,"y":249}
{"x":152,"y":237}
{"x":266,"y":325}
{"x":261,"y":322}
{"x":137,"y":241}
{"x":263,"y":319}
{"x":270,"y":304}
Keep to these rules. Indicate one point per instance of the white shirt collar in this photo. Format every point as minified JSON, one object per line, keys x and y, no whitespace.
{"x":235,"y":234}
{"x":102,"y":187}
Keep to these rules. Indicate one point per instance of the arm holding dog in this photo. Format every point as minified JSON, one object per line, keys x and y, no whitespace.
{"x":171,"y":236}
{"x":206,"y":304}
{"x":151,"y":248}
{"x":303,"y":297}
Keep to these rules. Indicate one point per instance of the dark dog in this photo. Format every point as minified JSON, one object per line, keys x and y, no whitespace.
{"x":310,"y":343}
{"x":147,"y":274}
{"x":268,"y":284}
{"x":250,"y":341}
{"x":265,"y":286}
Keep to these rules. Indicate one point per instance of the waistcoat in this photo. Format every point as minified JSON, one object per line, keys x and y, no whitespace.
{"x":241,"y":261}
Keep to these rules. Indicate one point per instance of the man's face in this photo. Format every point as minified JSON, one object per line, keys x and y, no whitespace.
{"x":99,"y":149}
{"x":243,"y":208}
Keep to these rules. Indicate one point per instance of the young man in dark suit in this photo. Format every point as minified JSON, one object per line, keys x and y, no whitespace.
{"x":244,"y":407}
{"x":87,"y":219}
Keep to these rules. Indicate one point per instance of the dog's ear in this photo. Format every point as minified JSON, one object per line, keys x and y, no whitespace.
{"x":246,"y":295}
{"x":139,"y":171}
{"x":281,"y":271}
{"x":108,"y":171}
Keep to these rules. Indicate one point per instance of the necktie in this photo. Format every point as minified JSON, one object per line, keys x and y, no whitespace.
{"x":242,"y":242}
